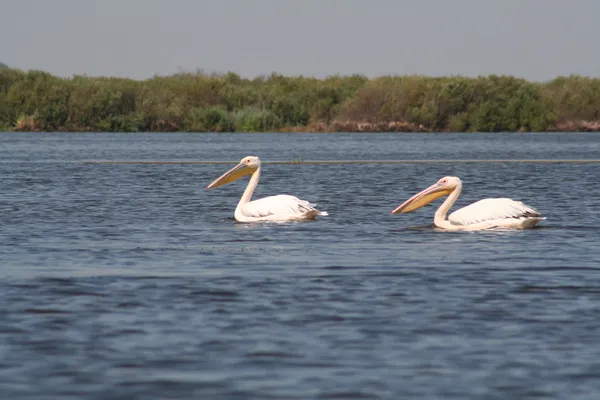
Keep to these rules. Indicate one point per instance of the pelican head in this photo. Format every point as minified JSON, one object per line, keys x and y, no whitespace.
{"x":246,"y":166}
{"x":441,"y":188}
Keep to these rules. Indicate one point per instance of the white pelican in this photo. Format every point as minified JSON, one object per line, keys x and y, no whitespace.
{"x":282,"y":207}
{"x":483,"y":214}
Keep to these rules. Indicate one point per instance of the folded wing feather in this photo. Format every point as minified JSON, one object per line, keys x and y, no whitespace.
{"x":282,"y":204}
{"x":490,"y":209}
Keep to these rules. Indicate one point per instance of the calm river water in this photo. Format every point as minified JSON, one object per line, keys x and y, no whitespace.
{"x":131,"y":281}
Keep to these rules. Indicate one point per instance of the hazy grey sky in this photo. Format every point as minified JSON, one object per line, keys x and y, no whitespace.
{"x":535,"y":39}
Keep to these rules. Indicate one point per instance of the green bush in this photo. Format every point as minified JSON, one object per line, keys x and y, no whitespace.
{"x":201,"y":102}
{"x":209,"y":119}
{"x":254,"y":120}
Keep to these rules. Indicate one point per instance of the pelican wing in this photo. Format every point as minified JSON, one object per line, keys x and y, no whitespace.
{"x":491,"y":209}
{"x":280,"y":205}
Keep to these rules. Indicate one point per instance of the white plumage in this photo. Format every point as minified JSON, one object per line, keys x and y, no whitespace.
{"x":483,"y":214}
{"x":281,"y":207}
{"x":277,"y":208}
{"x":492,"y":209}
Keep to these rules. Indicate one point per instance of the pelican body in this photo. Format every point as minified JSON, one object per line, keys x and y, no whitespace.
{"x":281,"y":207}
{"x":483,"y":214}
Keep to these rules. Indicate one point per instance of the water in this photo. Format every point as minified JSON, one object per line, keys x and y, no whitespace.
{"x":131,"y":281}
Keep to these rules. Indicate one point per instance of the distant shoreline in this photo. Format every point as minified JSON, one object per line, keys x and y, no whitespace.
{"x":349,"y":127}
{"x":36,"y":101}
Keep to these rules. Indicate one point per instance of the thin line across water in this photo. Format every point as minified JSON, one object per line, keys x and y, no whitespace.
{"x":471,"y":161}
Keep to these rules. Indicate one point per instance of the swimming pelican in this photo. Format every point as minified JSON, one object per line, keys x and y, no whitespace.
{"x":282,"y":207}
{"x":483,"y":214}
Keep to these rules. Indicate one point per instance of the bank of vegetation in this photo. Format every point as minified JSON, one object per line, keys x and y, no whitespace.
{"x":198,"y":102}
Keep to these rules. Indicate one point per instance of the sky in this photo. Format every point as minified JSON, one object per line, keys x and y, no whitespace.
{"x":532,"y":39}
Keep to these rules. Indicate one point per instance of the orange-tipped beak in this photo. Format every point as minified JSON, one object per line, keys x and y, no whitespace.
{"x":422,"y":198}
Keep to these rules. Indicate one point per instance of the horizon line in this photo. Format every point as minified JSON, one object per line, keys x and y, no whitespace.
{"x":217,"y":73}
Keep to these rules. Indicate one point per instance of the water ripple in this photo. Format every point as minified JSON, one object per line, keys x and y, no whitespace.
{"x":131,"y":281}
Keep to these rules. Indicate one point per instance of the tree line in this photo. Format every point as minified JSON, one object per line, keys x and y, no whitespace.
{"x":199,"y":102}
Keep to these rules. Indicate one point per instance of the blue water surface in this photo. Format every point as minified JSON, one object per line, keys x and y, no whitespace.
{"x":131,"y":281}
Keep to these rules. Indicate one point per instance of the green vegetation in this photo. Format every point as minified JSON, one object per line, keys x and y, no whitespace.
{"x":197,"y":102}
{"x":2,"y":65}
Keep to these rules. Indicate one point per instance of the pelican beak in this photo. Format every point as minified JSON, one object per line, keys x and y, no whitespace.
{"x":233,"y":174}
{"x":422,"y":198}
